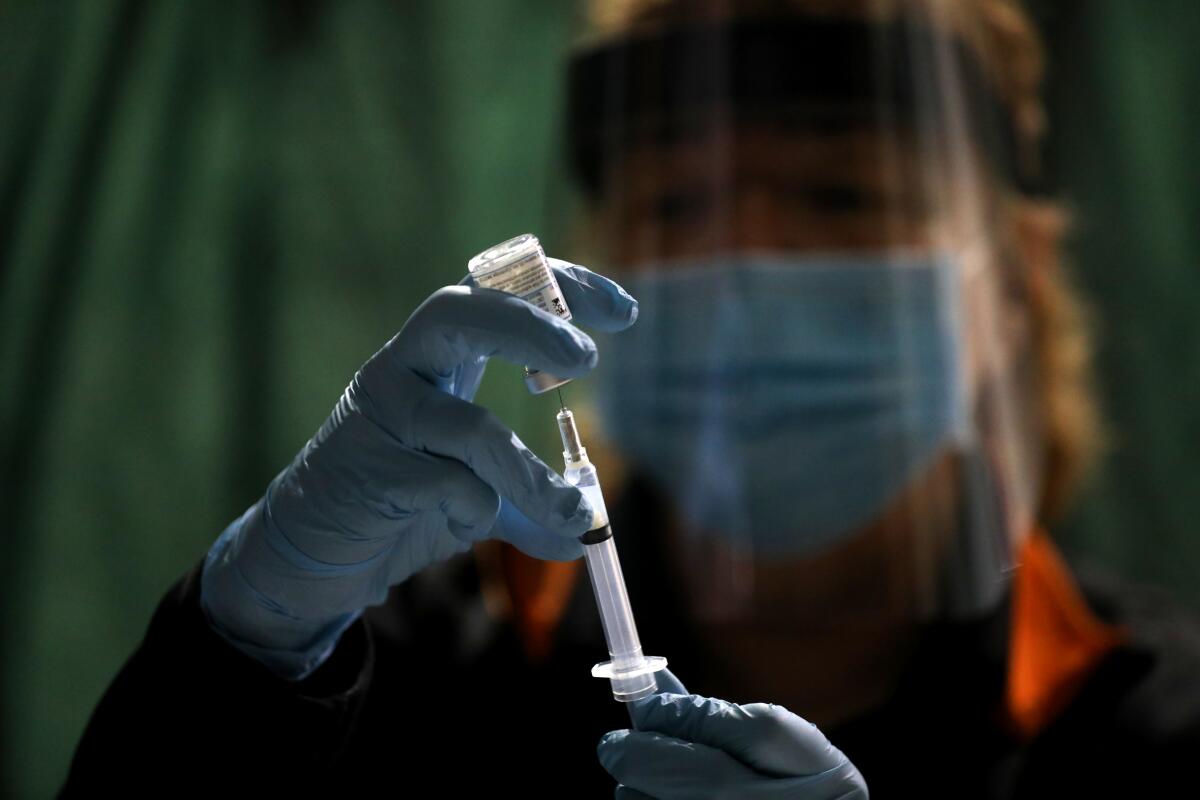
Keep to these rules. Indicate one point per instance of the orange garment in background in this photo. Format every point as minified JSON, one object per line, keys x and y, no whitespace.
{"x":1055,"y":642}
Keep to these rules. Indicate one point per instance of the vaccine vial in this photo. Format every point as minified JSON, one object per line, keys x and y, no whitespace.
{"x":519,"y":267}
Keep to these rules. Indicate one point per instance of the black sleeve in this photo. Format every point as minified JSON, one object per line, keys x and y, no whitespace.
{"x":1133,"y":729}
{"x":188,"y":710}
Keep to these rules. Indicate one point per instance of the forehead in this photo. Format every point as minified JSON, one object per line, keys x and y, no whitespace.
{"x":777,"y":153}
{"x":773,"y":187}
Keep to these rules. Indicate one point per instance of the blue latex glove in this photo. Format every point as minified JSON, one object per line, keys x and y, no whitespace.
{"x":686,"y":746}
{"x":406,"y":472}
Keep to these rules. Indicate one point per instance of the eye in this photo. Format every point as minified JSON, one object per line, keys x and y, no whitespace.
{"x":682,"y":207}
{"x":838,"y":199}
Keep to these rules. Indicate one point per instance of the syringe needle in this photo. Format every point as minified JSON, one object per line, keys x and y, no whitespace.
{"x":562,"y":406}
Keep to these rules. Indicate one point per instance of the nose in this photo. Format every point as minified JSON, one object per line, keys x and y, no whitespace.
{"x":759,"y":220}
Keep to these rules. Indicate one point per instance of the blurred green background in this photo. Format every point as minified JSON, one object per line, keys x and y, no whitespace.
{"x":212,"y":213}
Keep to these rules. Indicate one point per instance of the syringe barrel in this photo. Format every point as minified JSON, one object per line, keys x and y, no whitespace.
{"x":608,"y":583}
{"x":604,"y":569}
{"x":620,"y":632}
{"x":631,"y":674}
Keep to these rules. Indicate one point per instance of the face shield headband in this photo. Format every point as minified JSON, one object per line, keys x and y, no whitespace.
{"x":822,"y":74}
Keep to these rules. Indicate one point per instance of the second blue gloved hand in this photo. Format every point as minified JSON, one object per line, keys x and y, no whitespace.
{"x":687,"y":746}
{"x":405,"y":472}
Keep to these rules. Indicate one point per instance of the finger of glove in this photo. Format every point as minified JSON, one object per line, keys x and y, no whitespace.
{"x":594,"y":300}
{"x":667,"y":684}
{"x":767,"y":737}
{"x":466,"y":380}
{"x":667,"y":767}
{"x":462,"y":324}
{"x":842,"y":783}
{"x":625,"y":793}
{"x":351,"y":489}
{"x":532,"y":539}
{"x":432,"y":483}
{"x":439,"y":423}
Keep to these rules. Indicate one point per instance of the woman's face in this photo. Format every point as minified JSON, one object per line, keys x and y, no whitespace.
{"x":763,"y":188}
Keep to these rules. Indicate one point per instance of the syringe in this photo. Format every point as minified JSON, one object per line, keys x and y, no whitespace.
{"x":631,"y":673}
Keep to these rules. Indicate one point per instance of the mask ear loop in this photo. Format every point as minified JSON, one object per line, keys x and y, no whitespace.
{"x":978,"y":566}
{"x":994,"y":508}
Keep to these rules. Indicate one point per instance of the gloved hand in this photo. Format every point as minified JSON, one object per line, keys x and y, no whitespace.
{"x":686,"y":746}
{"x":405,"y":472}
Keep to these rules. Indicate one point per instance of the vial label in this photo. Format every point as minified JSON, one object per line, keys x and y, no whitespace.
{"x":530,"y":279}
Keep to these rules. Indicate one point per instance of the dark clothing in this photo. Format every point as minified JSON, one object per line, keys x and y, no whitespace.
{"x":463,"y":714}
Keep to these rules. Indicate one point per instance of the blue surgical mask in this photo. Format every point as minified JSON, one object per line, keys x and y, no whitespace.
{"x":786,"y":402}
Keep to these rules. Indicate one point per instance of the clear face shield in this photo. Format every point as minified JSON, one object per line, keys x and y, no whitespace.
{"x":831,"y":380}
